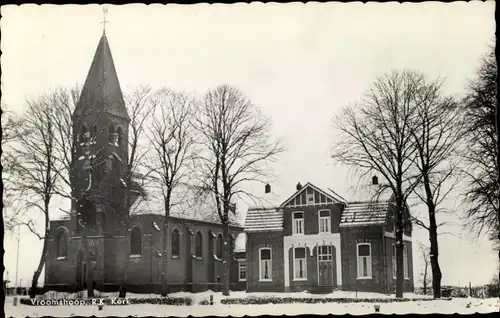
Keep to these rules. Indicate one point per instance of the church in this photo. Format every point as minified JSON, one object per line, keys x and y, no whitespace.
{"x":126,"y":242}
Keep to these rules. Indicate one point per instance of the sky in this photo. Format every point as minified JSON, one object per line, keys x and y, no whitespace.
{"x":300,"y":63}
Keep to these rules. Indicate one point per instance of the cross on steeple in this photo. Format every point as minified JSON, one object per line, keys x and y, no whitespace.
{"x":105,"y":11}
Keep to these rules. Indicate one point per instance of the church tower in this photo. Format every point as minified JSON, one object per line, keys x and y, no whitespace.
{"x":100,"y":126}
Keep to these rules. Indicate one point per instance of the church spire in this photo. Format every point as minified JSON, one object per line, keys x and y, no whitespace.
{"x":101,"y":92}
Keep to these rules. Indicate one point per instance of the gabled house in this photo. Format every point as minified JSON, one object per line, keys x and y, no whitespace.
{"x":317,"y":240}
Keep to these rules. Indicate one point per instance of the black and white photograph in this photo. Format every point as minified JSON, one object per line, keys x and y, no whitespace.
{"x":250,"y":159}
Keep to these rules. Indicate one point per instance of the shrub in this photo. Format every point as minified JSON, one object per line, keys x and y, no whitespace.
{"x":290,"y":300}
{"x":204,"y":302}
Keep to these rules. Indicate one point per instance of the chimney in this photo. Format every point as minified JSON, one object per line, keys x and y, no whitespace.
{"x":374,"y":180}
{"x":268,"y":188}
{"x":299,"y":186}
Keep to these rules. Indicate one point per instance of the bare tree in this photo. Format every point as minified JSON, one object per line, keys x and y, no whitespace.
{"x":140,"y":106}
{"x":425,"y":255}
{"x":172,"y":139}
{"x":236,"y":146}
{"x":11,"y":133}
{"x":481,"y":104}
{"x":35,"y":169}
{"x":376,"y":136}
{"x":437,"y":131}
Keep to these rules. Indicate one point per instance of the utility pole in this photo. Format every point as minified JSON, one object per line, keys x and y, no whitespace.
{"x":17,"y":261}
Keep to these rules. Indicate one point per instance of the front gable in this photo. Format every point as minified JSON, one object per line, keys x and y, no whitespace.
{"x":311,"y":195}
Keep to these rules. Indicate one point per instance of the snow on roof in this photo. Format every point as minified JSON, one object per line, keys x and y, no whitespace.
{"x":240,"y":243}
{"x":186,"y":204}
{"x":364,"y":213}
{"x":259,"y":220}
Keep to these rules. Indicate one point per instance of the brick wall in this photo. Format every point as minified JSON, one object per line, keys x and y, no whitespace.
{"x":350,"y":237}
{"x":146,"y":269}
{"x":255,"y":241}
{"x":408,"y":285}
{"x":311,"y":221}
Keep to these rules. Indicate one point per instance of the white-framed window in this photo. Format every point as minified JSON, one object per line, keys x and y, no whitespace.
{"x":265,"y":264}
{"x":405,"y":262}
{"x":364,"y":260}
{"x":298,"y":223}
{"x":325,"y":253}
{"x":324,"y":221}
{"x":242,"y":270}
{"x":299,"y":263}
{"x":394,"y":262}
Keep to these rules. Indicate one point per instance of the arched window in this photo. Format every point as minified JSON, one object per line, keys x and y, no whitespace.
{"x":175,"y":242}
{"x":198,"y":245}
{"x":112,"y":136}
{"x":135,"y":242}
{"x":62,"y":244}
{"x":119,"y":132}
{"x":219,"y":245}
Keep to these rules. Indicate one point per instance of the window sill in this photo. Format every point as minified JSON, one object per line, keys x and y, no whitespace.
{"x":197,"y":258}
{"x":135,"y":256}
{"x":363,"y":278}
{"x":242,"y":280}
{"x":300,"y":279}
{"x":175,"y":256}
{"x":265,"y":280}
{"x":61,"y":258}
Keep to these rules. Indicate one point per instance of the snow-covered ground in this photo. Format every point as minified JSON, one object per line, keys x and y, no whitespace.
{"x":457,"y":305}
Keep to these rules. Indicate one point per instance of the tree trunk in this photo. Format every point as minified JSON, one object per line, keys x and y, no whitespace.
{"x":41,"y":264}
{"x":88,"y":260}
{"x":425,"y":276}
{"x":226,"y":257}
{"x":164,"y":255}
{"x":399,"y":250}
{"x":123,"y":292}
{"x":43,"y":257}
{"x":434,"y":253}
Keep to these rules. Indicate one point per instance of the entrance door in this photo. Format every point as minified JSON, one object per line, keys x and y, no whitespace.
{"x":325,"y":265}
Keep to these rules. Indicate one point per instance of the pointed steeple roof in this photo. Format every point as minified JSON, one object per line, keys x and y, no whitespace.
{"x":101,"y":92}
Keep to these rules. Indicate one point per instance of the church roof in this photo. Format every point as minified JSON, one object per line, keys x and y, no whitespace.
{"x":186,"y":204}
{"x":102,"y":87}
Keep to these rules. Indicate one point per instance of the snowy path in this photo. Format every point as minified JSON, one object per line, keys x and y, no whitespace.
{"x":459,"y":305}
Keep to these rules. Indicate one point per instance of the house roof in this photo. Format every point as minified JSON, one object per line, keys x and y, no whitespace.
{"x":364,"y":213}
{"x":260,"y":220}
